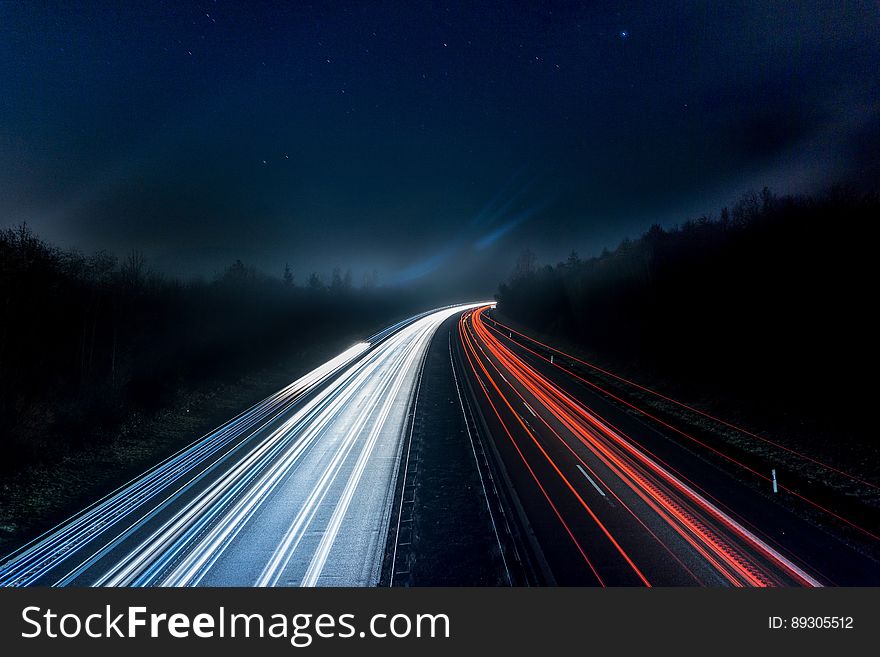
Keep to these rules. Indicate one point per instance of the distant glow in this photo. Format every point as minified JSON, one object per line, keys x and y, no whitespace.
{"x":493,"y":236}
{"x":424,"y":267}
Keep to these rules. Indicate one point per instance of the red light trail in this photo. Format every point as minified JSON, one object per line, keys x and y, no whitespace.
{"x":657,"y":503}
{"x":521,"y":337}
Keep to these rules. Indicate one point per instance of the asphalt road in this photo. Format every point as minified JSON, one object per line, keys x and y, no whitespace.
{"x":609,"y":499}
{"x":449,"y":526}
{"x":295,"y":491}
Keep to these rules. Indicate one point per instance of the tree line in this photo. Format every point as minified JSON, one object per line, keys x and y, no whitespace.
{"x":770,"y":304}
{"x":85,"y":340}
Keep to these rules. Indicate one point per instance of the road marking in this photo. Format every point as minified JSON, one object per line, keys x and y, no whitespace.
{"x":590,"y":479}
{"x":530,"y":410}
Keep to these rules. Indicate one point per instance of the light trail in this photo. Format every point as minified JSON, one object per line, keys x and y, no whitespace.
{"x":870,"y":533}
{"x":25,"y":566}
{"x":296,"y":490}
{"x":521,"y":339}
{"x":658,"y":499}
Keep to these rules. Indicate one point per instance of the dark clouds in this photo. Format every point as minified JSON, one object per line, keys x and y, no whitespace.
{"x":373,"y":134}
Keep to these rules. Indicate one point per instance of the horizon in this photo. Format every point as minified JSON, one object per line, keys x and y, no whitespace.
{"x":365,"y":136}
{"x":373,"y":279}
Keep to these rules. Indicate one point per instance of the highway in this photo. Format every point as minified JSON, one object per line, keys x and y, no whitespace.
{"x":555,"y":481}
{"x":607,"y":498}
{"x":295,"y":491}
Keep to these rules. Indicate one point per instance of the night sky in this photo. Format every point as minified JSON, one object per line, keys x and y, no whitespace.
{"x":429,"y":141}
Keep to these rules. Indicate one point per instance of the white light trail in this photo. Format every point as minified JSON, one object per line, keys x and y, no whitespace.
{"x":307,"y":469}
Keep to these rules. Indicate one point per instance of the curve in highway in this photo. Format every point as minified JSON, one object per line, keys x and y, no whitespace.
{"x":294,"y":491}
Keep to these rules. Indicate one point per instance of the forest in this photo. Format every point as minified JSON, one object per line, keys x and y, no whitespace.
{"x":767,"y":308}
{"x":87,"y":340}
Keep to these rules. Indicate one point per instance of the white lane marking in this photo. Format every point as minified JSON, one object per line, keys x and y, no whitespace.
{"x":530,"y":410}
{"x":590,"y":479}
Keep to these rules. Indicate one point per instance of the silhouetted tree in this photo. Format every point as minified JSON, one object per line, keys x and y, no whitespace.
{"x":526,"y":265}
{"x":336,"y":284}
{"x":767,"y":200}
{"x":239,"y":274}
{"x":134,"y":269}
{"x":371,"y":279}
